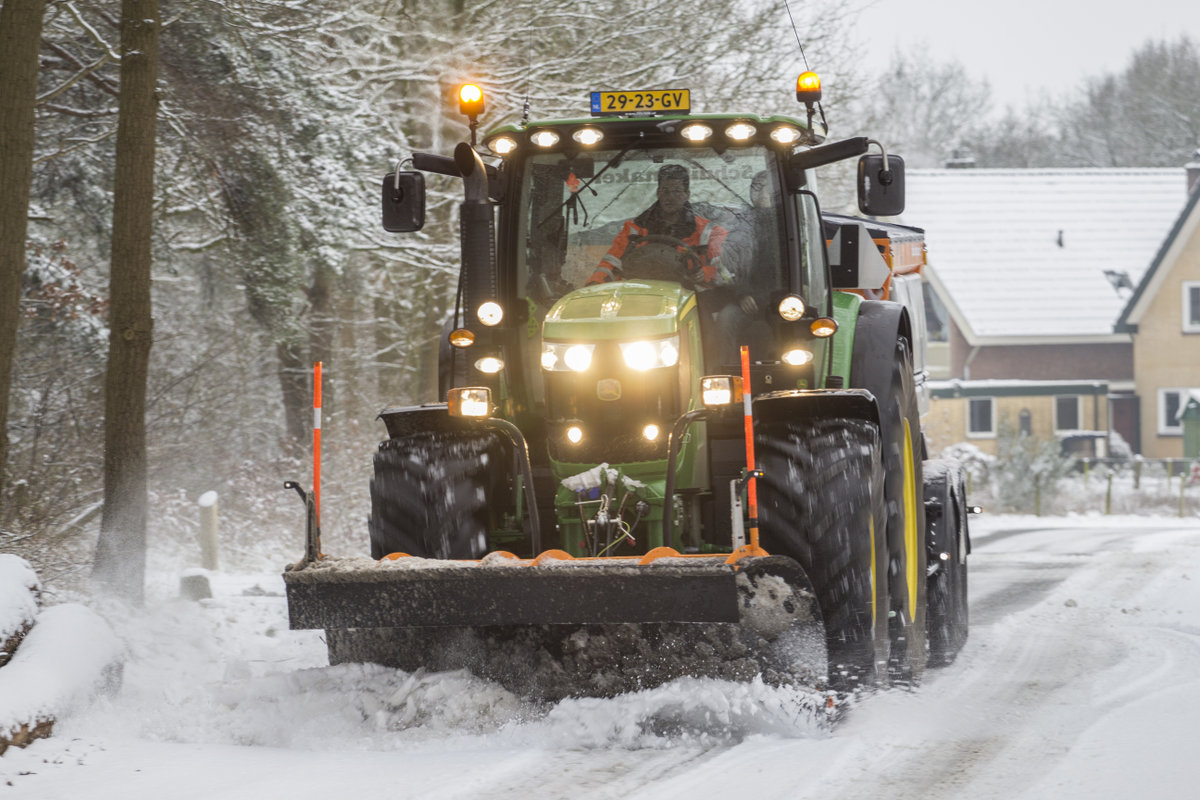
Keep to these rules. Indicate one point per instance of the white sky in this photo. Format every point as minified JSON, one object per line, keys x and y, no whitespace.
{"x":1025,"y":46}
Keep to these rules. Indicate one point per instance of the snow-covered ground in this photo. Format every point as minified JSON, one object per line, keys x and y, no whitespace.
{"x":1081,"y":679}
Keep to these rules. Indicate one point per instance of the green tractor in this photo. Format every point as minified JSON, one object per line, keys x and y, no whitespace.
{"x":682,"y":428}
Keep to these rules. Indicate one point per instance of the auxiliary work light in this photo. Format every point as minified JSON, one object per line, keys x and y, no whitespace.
{"x":721,"y":390}
{"x":469,"y":401}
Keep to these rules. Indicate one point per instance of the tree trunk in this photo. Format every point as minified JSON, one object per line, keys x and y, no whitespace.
{"x":323,"y":326}
{"x":121,"y":551}
{"x":20,"y":39}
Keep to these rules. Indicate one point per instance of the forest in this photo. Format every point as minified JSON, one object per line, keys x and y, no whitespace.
{"x":276,"y":120}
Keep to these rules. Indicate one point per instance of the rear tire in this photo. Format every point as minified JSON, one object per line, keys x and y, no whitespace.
{"x":946,"y":518}
{"x":821,"y":503}
{"x":900,"y":428}
{"x":429,"y":495}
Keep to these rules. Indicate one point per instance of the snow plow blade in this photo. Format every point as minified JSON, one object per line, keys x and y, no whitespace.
{"x":325,"y":595}
{"x":579,"y":627}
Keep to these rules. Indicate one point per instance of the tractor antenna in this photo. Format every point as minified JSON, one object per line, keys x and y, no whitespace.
{"x":804,"y":58}
{"x":528,"y":73}
{"x":796,"y":31}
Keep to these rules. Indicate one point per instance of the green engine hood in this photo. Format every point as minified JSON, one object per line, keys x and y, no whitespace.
{"x":632,"y":309}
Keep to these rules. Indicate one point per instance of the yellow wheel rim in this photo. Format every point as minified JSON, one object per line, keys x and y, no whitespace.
{"x":910,"y":522}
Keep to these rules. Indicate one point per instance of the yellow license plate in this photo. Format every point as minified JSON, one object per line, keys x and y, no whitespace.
{"x":658,"y":101}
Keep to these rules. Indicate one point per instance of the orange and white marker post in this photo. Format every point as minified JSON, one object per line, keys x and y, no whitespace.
{"x":317,"y":440}
{"x":752,"y":483}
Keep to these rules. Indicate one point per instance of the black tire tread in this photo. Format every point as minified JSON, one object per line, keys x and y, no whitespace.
{"x":820,"y":491}
{"x":429,"y":497}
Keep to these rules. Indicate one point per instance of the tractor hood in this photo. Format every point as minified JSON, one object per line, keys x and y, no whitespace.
{"x":620,"y":310}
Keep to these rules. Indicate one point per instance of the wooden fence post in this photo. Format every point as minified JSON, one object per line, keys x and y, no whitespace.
{"x":208,"y":530}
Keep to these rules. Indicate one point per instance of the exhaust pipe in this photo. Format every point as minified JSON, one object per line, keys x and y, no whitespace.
{"x":480,"y":283}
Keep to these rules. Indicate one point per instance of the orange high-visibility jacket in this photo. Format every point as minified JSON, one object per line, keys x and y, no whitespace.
{"x":705,"y":239}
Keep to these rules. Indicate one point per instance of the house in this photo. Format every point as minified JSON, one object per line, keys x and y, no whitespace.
{"x":1163,"y":317}
{"x":1027,"y":273}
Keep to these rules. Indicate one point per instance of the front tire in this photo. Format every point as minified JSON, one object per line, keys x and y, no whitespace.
{"x":821,"y":503}
{"x":429,"y":495}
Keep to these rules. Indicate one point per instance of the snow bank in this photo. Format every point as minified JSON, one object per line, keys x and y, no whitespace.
{"x":19,"y":588}
{"x":66,"y":656}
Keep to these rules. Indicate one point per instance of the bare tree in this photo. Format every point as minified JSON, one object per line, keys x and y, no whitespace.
{"x":926,"y":110}
{"x":1146,"y":115}
{"x":121,"y":551}
{"x":20,"y":37}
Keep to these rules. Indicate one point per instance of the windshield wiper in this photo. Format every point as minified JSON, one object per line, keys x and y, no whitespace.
{"x":615,"y":161}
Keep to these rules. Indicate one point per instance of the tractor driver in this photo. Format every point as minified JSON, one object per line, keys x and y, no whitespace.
{"x":668,"y":231}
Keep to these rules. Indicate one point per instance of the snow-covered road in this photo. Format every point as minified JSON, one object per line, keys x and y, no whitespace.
{"x":1081,"y":680}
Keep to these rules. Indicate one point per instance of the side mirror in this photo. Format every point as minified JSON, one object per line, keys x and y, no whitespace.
{"x":880,"y":191}
{"x":403,"y":202}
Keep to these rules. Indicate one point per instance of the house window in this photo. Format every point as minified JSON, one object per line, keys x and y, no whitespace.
{"x":1067,"y":413}
{"x":1170,"y":401}
{"x":1191,"y":306}
{"x":980,"y":417}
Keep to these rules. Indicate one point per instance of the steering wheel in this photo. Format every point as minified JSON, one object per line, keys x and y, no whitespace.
{"x":659,"y":257}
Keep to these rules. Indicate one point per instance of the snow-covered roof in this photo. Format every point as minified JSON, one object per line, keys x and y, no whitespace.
{"x":1042,"y":255}
{"x":1153,"y":278}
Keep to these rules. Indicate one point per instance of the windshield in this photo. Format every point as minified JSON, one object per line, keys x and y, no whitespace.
{"x":709,"y":219}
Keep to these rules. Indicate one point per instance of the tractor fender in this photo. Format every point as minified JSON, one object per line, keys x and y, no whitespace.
{"x":402,"y":421}
{"x":800,"y":404}
{"x":880,"y":324}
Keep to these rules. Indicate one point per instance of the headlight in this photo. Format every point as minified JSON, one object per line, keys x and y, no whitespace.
{"x":490,"y":313}
{"x":544,"y":138}
{"x":574,"y":434}
{"x":564,"y":356}
{"x":797,"y":357}
{"x":696,"y":132}
{"x":489,"y":365}
{"x":650,"y":432}
{"x":791,"y":308}
{"x":646,"y":355}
